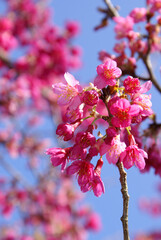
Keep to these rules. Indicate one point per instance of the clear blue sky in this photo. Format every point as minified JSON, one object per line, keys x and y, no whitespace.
{"x":109,"y":206}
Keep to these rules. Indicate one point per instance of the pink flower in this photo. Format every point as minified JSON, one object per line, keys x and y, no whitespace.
{"x":97,"y":184}
{"x":90,"y":97}
{"x":85,"y":139}
{"x":138,"y":14}
{"x":132,"y":85}
{"x":145,"y":87}
{"x":120,"y":47}
{"x":68,"y":91}
{"x":107,"y":74}
{"x":111,"y":133}
{"x":58,"y":156}
{"x":123,"y":112}
{"x":93,"y":222}
{"x":77,"y":152}
{"x":156,"y":5}
{"x":73,"y":115}
{"x":133,"y":155}
{"x":84,"y":172}
{"x":7,"y":41}
{"x":124,"y":26}
{"x":73,"y":28}
{"x":66,"y":131}
{"x":88,"y":178}
{"x":114,"y":150}
{"x":143,"y":100}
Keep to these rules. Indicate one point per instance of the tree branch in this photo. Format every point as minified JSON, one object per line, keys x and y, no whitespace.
{"x":148,"y":65}
{"x":5,"y":59}
{"x":112,"y":11}
{"x":125,"y":195}
{"x":14,"y":173}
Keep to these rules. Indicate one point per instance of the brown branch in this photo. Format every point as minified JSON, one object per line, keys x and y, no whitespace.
{"x":123,"y":180}
{"x":112,"y":11}
{"x":148,"y":65}
{"x":125,"y":195}
{"x":5,"y":60}
{"x":141,"y":77}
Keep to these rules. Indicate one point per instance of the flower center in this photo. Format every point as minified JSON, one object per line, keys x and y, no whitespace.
{"x":108,"y":73}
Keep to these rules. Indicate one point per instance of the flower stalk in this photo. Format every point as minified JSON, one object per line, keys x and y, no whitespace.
{"x":125,"y":196}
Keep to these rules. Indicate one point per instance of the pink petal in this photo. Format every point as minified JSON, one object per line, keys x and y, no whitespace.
{"x":145,"y":87}
{"x":117,"y":72}
{"x":70,"y":79}
{"x":134,"y":110}
{"x":110,"y":63}
{"x":58,"y":88}
{"x":122,"y":103}
{"x":100,"y":82}
{"x":75,"y":103}
{"x":100,"y":69}
{"x":73,"y":168}
{"x":140,"y":163}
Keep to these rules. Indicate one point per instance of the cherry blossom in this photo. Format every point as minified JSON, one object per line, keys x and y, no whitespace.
{"x":107,"y":74}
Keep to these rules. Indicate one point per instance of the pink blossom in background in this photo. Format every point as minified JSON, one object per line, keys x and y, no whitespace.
{"x":73,"y":28}
{"x":93,"y":222}
{"x":123,"y":26}
{"x":138,"y":14}
{"x":120,"y":47}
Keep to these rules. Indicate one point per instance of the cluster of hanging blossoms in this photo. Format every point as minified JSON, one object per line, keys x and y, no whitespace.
{"x":121,"y":108}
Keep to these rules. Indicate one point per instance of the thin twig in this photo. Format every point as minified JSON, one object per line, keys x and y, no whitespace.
{"x":14,"y":173}
{"x":125,"y":195}
{"x":5,"y":59}
{"x":148,"y":66}
{"x":112,"y":11}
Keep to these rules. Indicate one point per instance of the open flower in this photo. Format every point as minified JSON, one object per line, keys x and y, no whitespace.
{"x":133,"y":155}
{"x":58,"y":156}
{"x":123,"y":112}
{"x":84,"y":171}
{"x":107,"y":74}
{"x":113,"y":149}
{"x":67,"y":91}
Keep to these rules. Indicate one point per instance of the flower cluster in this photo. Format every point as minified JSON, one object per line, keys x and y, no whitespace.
{"x":126,"y":105}
{"x":137,"y":35}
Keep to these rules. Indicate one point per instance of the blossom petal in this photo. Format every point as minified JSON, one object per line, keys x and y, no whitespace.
{"x":70,"y":79}
{"x":145,"y":87}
